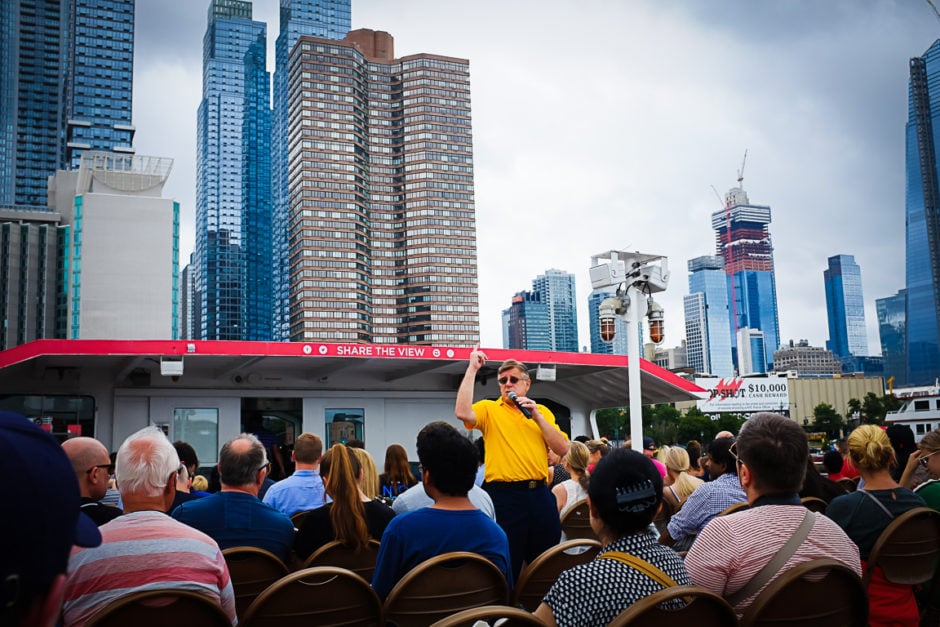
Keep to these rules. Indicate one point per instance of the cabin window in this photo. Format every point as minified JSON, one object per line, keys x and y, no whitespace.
{"x":921,"y":405}
{"x":64,"y":416}
{"x":343,"y":425}
{"x":200,"y":428}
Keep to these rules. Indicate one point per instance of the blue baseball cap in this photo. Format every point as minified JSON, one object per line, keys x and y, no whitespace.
{"x":649,"y":444}
{"x":36,"y":542}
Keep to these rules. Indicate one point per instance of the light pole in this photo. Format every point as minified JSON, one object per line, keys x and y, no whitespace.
{"x":634,"y":275}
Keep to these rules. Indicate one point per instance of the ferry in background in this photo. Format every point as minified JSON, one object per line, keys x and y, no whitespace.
{"x":920,"y":412}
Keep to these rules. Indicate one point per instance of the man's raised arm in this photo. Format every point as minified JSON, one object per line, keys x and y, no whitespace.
{"x":464,"y":406}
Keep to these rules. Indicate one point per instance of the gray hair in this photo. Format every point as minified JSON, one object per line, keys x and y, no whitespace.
{"x":145,"y":462}
{"x":241,"y":467}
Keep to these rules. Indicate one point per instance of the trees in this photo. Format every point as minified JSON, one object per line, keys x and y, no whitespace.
{"x":873,"y":409}
{"x":827,"y":419}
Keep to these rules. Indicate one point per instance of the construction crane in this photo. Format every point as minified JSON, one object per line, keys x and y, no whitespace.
{"x":743,"y":162}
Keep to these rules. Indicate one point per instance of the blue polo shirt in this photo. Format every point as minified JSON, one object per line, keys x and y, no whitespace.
{"x":239,"y":519}
{"x":300,"y":492}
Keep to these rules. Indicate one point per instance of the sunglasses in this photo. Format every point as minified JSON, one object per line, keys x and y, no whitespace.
{"x":923,"y":460}
{"x":504,"y":380}
{"x":109,"y":467}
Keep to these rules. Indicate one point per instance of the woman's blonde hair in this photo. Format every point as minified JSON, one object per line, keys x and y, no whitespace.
{"x":676,"y":458}
{"x":870,"y":448}
{"x":370,"y":474}
{"x":577,"y":459}
{"x":200,"y":483}
{"x":347,"y":513}
{"x":930,"y":441}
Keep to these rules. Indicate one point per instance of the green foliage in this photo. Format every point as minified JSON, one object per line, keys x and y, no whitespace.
{"x":827,"y":419}
{"x":730,"y":422}
{"x":695,"y":425}
{"x":873,"y":409}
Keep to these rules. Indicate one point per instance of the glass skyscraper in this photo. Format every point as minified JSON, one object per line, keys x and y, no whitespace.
{"x":529,"y":323}
{"x":742,"y":236}
{"x":328,"y":19}
{"x":382,"y":219}
{"x":233,"y":179}
{"x":558,"y":292}
{"x":922,"y":234}
{"x":846,"y":308}
{"x":891,"y":329}
{"x":66,"y":70}
{"x":707,"y":319}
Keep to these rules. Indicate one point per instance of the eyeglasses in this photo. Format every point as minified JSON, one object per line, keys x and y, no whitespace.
{"x":923,"y":460}
{"x":110,"y":468}
{"x":265,"y":467}
{"x":504,"y":380}
{"x":733,"y":450}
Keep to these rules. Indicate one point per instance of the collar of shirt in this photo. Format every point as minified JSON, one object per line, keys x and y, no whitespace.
{"x":777,"y":499}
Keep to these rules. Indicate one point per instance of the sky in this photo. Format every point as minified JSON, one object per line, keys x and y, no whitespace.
{"x":605,"y":125}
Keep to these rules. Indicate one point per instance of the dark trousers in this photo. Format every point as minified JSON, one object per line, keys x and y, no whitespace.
{"x":528,"y":516}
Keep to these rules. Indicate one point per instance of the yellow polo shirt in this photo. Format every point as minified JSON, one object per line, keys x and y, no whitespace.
{"x":515,"y":449}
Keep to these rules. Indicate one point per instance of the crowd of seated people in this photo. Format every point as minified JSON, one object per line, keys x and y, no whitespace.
{"x":176,"y":541}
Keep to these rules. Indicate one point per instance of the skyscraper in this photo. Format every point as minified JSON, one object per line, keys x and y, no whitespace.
{"x":529,"y":325}
{"x":922,"y":232}
{"x":743,"y":241}
{"x":328,"y":19}
{"x":707,"y":319}
{"x":382,"y":221}
{"x":233,"y":179}
{"x":892,"y":330}
{"x":846,"y":308}
{"x":558,"y":292}
{"x":67,"y":74}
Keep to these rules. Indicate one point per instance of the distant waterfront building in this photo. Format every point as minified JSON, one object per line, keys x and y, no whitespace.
{"x":806,"y":360}
{"x":529,"y":323}
{"x":328,"y":19}
{"x":189,"y":302}
{"x":119,"y":247}
{"x":707,"y":318}
{"x":619,"y":345}
{"x":845,"y":306}
{"x":382,"y":218}
{"x":233,"y":179}
{"x":67,"y":71}
{"x":742,"y":236}
{"x":892,"y":329}
{"x":922,"y":220}
{"x":751,"y":351}
{"x":675,"y":358}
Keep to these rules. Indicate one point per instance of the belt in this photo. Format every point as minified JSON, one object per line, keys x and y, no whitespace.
{"x":527,"y":484}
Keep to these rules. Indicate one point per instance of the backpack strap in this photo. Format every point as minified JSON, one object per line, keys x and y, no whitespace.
{"x":878,"y":503}
{"x":641,"y":565}
{"x":773,"y":567}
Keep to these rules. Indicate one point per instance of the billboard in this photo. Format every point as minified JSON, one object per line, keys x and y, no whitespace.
{"x":744,"y":395}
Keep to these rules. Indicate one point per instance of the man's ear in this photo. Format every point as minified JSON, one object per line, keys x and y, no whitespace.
{"x":744,"y":475}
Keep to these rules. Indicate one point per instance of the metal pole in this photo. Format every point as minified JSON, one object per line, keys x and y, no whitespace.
{"x":633,"y":370}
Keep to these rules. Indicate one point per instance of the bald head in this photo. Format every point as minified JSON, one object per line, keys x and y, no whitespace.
{"x":240,"y":461}
{"x":724,"y":434}
{"x":90,"y":460}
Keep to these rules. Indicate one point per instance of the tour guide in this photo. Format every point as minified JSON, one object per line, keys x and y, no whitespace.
{"x":516,"y":471}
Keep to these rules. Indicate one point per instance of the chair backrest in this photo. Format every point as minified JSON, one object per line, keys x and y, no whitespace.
{"x":814,"y":504}
{"x":157,"y":608}
{"x":908,"y":549}
{"x":850,"y":485}
{"x":577,"y":522}
{"x":338,"y":554}
{"x":737,"y":507}
{"x":539,"y":576}
{"x":298,"y":518}
{"x":817,"y":593}
{"x":445,"y":585}
{"x":252,"y":570}
{"x":322,"y":595}
{"x":702,"y":608}
{"x":505,"y":615}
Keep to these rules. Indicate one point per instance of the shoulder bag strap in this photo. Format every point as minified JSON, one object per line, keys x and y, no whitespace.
{"x":878,"y":503}
{"x":774,"y":565}
{"x":641,"y":565}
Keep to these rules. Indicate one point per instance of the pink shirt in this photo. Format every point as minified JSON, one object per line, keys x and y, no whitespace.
{"x":144,"y":551}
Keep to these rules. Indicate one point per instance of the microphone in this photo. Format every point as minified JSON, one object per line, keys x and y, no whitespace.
{"x":525,"y":412}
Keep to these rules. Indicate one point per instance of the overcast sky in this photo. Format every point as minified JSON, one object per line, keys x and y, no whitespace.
{"x":603,"y":125}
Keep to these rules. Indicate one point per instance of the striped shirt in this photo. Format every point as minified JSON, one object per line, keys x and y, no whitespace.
{"x":144,"y":551}
{"x":732,"y":549}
